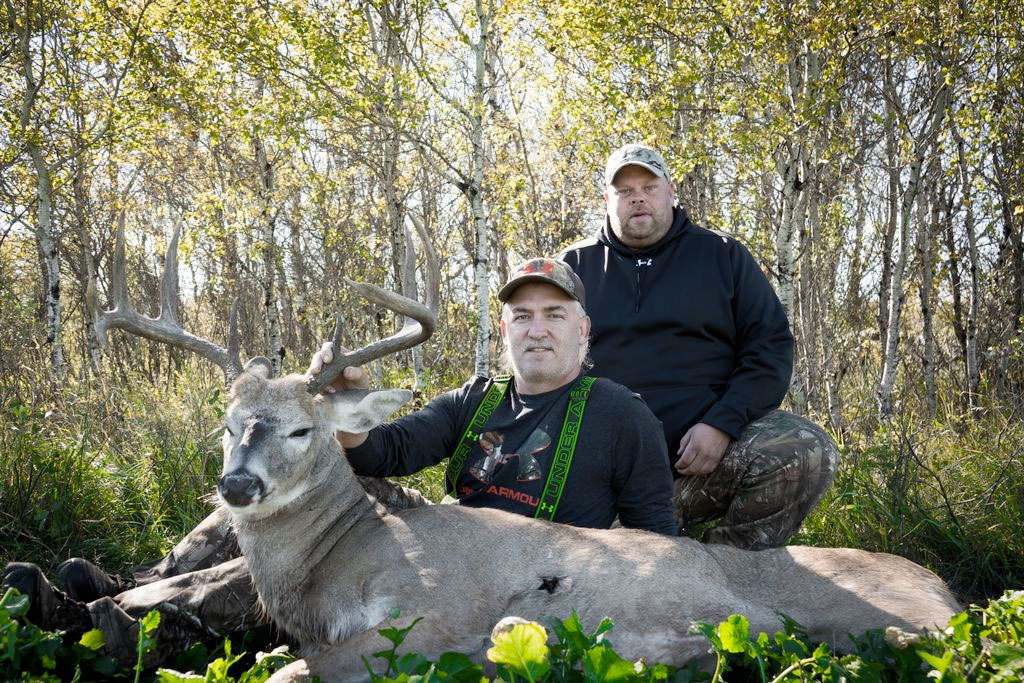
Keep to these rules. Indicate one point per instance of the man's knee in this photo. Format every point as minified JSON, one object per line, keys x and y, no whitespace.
{"x":769,"y":480}
{"x":787,"y":457}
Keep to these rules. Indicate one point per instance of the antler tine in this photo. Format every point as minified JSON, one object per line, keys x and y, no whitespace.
{"x":415,"y":331}
{"x":420,"y":320}
{"x":165,"y":327}
{"x":117,"y":288}
{"x":234,"y":344}
{"x":169,"y":279}
{"x":432,"y":272}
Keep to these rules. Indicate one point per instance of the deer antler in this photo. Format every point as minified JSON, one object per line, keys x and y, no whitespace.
{"x":165,"y":328}
{"x":419,"y":324}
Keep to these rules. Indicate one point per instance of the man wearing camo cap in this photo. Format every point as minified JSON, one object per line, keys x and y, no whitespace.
{"x":684,"y":316}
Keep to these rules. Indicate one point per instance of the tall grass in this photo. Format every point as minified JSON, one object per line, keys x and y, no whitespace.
{"x":947,"y":494}
{"x":109,"y":472}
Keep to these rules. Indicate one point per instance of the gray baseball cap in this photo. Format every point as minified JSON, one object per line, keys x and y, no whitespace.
{"x":639,"y":155}
{"x":551,"y":271}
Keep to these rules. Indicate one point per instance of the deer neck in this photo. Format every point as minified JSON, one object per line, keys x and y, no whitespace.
{"x":285,"y":547}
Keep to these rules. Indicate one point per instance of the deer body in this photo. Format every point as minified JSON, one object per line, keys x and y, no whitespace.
{"x":329,"y":564}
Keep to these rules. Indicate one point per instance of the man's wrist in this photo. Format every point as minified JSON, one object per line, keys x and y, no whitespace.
{"x":350,"y":440}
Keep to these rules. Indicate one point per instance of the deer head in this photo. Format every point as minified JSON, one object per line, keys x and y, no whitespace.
{"x":272,"y":426}
{"x":275,"y":429}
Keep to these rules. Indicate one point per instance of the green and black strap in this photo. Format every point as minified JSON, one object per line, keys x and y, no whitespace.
{"x":564,"y":451}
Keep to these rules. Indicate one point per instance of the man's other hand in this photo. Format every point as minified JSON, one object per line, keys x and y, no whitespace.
{"x":352,"y":378}
{"x":701,"y":449}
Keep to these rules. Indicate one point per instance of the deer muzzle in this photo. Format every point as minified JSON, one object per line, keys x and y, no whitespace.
{"x":240,"y":488}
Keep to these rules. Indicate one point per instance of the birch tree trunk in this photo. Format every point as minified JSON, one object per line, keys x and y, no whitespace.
{"x":88,"y":267}
{"x":481,"y":257}
{"x":896,"y":291}
{"x":298,"y":267}
{"x":892,"y":207}
{"x":46,"y":238}
{"x":792,"y":206}
{"x":926,"y":270}
{"x":956,"y":283}
{"x":971,"y":331}
{"x":853,"y":298}
{"x":268,"y":249}
{"x":792,"y":168}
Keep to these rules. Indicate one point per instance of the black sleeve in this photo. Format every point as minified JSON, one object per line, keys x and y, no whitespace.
{"x":643,"y":477}
{"x":417,"y":440}
{"x":764,"y":350}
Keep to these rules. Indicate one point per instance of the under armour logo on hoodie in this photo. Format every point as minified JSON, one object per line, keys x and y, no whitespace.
{"x":644,"y":262}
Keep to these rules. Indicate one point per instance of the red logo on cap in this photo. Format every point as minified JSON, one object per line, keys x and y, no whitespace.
{"x":548,"y":266}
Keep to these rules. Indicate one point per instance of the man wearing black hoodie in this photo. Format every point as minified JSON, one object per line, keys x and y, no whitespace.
{"x":684,"y":316}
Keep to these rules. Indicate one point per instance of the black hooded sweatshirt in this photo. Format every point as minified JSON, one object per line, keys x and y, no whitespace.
{"x":691,"y":324}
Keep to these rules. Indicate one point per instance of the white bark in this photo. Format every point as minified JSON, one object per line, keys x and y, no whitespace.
{"x":896,"y":291}
{"x":298,"y":268}
{"x":973,"y":373}
{"x":791,"y":167}
{"x":45,"y":237}
{"x":481,"y":258}
{"x":268,"y":221}
{"x":792,"y":207}
{"x":892,"y":206}
{"x":925,"y":233}
{"x":89,"y":285}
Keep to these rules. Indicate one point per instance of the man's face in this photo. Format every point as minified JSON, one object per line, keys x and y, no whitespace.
{"x":542,"y":327}
{"x":639,"y":206}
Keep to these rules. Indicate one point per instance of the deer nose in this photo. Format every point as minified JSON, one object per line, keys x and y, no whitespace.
{"x":240,"y":488}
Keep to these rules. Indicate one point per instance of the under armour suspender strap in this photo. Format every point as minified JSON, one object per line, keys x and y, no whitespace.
{"x":491,"y":400}
{"x":563,"y":453}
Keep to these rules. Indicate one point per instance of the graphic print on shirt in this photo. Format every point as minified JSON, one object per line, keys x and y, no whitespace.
{"x":528,"y":469}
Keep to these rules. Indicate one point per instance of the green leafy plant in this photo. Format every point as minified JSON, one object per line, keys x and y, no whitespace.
{"x":30,"y":653}
{"x":983,"y":644}
{"x":218,"y":670}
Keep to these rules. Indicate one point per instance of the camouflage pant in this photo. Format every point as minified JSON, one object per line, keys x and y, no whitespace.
{"x":769,"y":479}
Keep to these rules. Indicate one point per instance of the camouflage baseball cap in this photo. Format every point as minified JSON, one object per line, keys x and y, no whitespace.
{"x":548,"y":270}
{"x":635,"y":154}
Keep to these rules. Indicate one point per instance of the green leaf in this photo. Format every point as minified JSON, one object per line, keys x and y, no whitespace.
{"x":14,"y":603}
{"x":169,"y":676}
{"x":940,"y":664}
{"x":94,"y":639}
{"x":150,"y":622}
{"x":455,"y":666}
{"x":602,"y":663}
{"x":523,"y":649}
{"x":735,"y":634}
{"x":1007,"y":658}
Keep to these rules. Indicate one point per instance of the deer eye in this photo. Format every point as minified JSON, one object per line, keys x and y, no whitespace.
{"x":298,"y":433}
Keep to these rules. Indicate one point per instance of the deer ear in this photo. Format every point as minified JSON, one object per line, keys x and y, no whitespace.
{"x":360,"y":411}
{"x":259,"y":366}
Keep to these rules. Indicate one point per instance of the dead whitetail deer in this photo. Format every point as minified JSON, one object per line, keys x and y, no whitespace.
{"x":330,"y":565}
